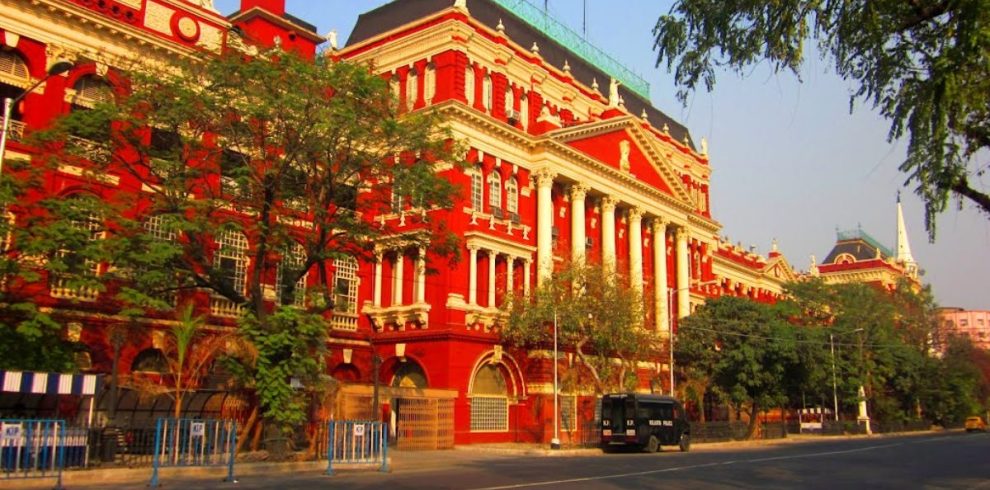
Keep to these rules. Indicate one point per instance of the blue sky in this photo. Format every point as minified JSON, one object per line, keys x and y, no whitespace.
{"x":789,"y":160}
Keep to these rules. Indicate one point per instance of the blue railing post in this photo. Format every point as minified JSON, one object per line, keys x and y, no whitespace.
{"x":384,"y":445}
{"x":232,"y":440}
{"x":60,"y":462}
{"x":330,"y":447}
{"x":156,"y":460}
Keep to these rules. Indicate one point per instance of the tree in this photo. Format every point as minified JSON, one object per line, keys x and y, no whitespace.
{"x":924,"y":65}
{"x":599,"y":318}
{"x":746,"y":350}
{"x":237,"y":172}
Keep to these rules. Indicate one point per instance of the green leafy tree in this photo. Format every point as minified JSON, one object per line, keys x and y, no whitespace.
{"x":747,"y":350}
{"x":924,"y":65}
{"x":239,"y":171}
{"x":599,"y":319}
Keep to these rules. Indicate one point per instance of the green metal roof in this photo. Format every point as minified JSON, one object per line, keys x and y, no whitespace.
{"x":572,"y":41}
{"x":859,"y":234}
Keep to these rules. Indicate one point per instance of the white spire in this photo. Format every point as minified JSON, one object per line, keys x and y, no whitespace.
{"x":903,"y":246}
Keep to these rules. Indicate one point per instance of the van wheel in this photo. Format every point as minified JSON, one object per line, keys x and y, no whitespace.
{"x":654,"y":444}
{"x":685,"y":443}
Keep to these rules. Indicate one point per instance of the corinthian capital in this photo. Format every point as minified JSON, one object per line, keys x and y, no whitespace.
{"x":608,"y":204}
{"x":579,"y":192}
{"x":635,"y":214}
{"x":544,"y":177}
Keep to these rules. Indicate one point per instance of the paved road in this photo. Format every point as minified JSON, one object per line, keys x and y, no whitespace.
{"x":942,"y":460}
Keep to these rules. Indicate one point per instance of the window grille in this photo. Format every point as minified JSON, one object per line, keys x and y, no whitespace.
{"x":13,"y":65}
{"x":396,"y":201}
{"x":155,"y":226}
{"x":512,"y":195}
{"x":293,"y":260}
{"x":345,"y":294}
{"x":61,"y":284}
{"x":477,"y":189}
{"x":494,"y":190}
{"x":231,"y":261}
{"x":489,"y":414}
{"x":568,"y":412}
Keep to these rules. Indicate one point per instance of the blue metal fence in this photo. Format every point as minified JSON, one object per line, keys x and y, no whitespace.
{"x":194,"y":442}
{"x":32,"y":448}
{"x":357,"y":442}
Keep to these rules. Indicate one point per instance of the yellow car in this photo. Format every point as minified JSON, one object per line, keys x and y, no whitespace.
{"x":974,"y":424}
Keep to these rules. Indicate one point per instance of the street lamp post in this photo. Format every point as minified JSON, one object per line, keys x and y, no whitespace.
{"x":9,"y":103}
{"x":863,"y":416}
{"x":555,"y":442}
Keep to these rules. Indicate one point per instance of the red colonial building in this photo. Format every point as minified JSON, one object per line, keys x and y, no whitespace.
{"x":568,"y":161}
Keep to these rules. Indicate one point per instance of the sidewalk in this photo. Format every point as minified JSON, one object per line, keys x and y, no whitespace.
{"x":404,"y":461}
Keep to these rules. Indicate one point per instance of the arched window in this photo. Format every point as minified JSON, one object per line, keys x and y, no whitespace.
{"x":13,"y":66}
{"x":430,"y":83}
{"x":14,"y":78}
{"x":150,"y":361}
{"x":477,"y":189}
{"x":495,"y":191}
{"x":512,"y":195}
{"x":469,"y":84}
{"x":90,"y":91}
{"x":489,"y":401}
{"x":289,"y":292}
{"x":345,"y":293}
{"x":409,"y":374}
{"x":231,"y":262}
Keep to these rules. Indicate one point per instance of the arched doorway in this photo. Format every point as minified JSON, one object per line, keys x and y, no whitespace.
{"x":409,"y":374}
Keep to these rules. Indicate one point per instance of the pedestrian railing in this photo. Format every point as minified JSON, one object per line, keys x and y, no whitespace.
{"x":357,"y":442}
{"x":32,"y":448}
{"x":194,"y":442}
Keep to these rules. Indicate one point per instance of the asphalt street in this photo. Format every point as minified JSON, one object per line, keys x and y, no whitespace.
{"x":932,"y":460}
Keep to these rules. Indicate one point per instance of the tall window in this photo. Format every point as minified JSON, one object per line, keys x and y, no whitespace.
{"x":469,"y":83}
{"x":345,"y":293}
{"x":76,"y":267}
{"x":494,"y":190}
{"x":477,"y":189}
{"x":291,"y":293}
{"x":157,"y":228}
{"x":489,"y":401}
{"x":412,"y":87}
{"x":524,"y":110}
{"x":508,"y":100}
{"x":430,"y":83}
{"x":487,"y":92}
{"x":512,"y":195}
{"x":231,"y":263}
{"x":396,"y":200}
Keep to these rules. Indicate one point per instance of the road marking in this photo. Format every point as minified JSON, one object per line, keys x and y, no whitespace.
{"x":691,"y":467}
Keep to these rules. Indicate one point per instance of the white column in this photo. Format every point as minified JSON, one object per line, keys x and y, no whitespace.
{"x":378,"y":280}
{"x":510,"y":276}
{"x":421,"y":277}
{"x":397,"y":290}
{"x":492,"y":255}
{"x":578,"y":193}
{"x":636,"y":249}
{"x":527,"y":270}
{"x":473,"y":276}
{"x":544,"y":222}
{"x":608,"y":232}
{"x":660,"y":275}
{"x":683,"y":268}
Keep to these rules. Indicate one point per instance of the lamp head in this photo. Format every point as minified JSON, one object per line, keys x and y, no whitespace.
{"x":60,"y":67}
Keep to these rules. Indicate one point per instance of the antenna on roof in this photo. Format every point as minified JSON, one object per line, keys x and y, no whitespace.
{"x":584,"y":20}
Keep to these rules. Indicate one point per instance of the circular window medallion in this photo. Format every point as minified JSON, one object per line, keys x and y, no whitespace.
{"x":185,"y":27}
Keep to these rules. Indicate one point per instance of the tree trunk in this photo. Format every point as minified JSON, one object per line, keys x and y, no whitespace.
{"x":259,"y":428}
{"x":242,"y":438}
{"x":753,"y":420}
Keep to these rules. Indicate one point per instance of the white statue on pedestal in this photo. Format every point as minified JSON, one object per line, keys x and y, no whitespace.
{"x":613,"y":93}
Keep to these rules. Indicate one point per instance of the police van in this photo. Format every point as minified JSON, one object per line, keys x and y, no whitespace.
{"x":643,"y":421}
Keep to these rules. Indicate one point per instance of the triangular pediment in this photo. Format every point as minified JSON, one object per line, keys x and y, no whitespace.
{"x":779,"y":269}
{"x":622,"y":144}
